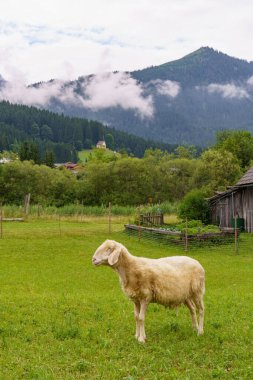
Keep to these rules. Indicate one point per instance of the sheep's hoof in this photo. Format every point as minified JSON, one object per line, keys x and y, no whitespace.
{"x":141,"y":339}
{"x":200,"y":332}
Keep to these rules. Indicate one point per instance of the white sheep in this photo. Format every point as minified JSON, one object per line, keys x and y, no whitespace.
{"x":169,"y":281}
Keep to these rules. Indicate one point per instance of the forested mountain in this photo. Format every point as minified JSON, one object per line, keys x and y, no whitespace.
{"x":192,"y":98}
{"x":63,"y":135}
{"x":202,"y":67}
{"x":214,"y":92}
{"x":181,"y":102}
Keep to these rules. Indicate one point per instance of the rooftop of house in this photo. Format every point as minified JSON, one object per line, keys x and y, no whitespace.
{"x":101,"y":143}
{"x":70,"y":165}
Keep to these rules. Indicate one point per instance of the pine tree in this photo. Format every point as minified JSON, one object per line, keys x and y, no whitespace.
{"x":49,"y":158}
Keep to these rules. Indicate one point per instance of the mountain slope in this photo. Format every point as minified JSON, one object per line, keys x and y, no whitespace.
{"x":63,"y":135}
{"x":214,"y":94}
{"x":202,"y":67}
{"x":180,"y":102}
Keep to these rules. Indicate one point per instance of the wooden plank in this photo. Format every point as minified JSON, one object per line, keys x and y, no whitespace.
{"x":150,"y":229}
{"x":12,"y":219}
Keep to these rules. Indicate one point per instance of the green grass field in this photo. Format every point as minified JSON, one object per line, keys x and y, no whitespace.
{"x":62,"y":318}
{"x":84,"y":154}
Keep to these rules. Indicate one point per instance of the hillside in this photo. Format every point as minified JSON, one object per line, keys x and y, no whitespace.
{"x":180,"y":102}
{"x":63,"y":135}
{"x":202,"y":67}
{"x":215,"y":92}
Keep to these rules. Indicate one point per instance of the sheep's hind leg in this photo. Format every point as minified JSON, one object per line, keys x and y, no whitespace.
{"x":192,"y":309}
{"x":136,"y":315}
{"x":142,"y":335}
{"x":201,"y":309}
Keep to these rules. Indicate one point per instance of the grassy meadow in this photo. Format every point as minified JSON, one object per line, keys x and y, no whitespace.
{"x":84,"y":155}
{"x":61,"y":318}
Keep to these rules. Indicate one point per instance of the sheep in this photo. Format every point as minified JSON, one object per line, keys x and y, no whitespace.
{"x":169,"y":281}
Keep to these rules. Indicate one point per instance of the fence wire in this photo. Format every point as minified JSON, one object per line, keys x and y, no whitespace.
{"x":111,"y":226}
{"x":234,"y":242}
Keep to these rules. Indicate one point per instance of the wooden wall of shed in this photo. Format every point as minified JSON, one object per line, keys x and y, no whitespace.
{"x":222,"y":212}
{"x":239,"y":203}
{"x":247,"y":213}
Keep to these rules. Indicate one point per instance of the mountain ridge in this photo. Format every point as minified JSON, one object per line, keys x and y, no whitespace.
{"x":193,"y":62}
{"x":185,"y":101}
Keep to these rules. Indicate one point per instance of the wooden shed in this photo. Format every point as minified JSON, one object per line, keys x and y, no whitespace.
{"x":235,"y":205}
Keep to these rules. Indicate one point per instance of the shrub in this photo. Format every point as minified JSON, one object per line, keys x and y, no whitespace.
{"x":195,"y":206}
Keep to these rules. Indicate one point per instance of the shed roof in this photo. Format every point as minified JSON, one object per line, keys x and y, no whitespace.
{"x":219,"y":195}
{"x":246,"y":179}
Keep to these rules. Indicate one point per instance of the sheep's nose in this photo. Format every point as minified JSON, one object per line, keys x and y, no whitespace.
{"x":94,"y":260}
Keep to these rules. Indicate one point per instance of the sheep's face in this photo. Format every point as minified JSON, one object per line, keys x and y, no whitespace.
{"x":107,"y":254}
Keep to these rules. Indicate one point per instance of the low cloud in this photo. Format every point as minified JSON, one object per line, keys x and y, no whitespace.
{"x":117,"y":90}
{"x":39,"y":95}
{"x":250,"y":81}
{"x":18,"y":92}
{"x":228,"y":90}
{"x":167,"y":87}
{"x":99,"y":92}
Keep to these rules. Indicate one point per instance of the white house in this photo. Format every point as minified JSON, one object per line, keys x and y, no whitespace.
{"x":101,"y":144}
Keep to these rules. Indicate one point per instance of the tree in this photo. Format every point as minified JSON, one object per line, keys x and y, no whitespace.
{"x":216,"y":170}
{"x":186,"y":151}
{"x":109,"y":139}
{"x":29,"y":150}
{"x":49,"y":158}
{"x":239,"y":143}
{"x":46,"y":132}
{"x":35,"y":130}
{"x":155,"y":155}
{"x":173,"y":178}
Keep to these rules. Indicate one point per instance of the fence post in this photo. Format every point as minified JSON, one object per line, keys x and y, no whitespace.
{"x":82,"y":211}
{"x":38,"y":210}
{"x":186,"y":234}
{"x":27,"y":204}
{"x":139,"y":223}
{"x":236,"y":237}
{"x":59,"y":224}
{"x":1,"y":228}
{"x":110,"y":217}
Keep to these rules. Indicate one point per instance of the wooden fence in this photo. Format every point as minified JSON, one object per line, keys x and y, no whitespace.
{"x":151,"y":219}
{"x":183,"y":238}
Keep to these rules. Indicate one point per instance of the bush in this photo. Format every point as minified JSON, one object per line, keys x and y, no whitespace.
{"x":195,"y":206}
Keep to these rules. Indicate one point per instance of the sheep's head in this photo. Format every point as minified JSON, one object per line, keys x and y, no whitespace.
{"x":107,"y":254}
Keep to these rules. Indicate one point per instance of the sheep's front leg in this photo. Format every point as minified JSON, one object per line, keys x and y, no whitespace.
{"x":136,"y":315}
{"x":143,"y":308}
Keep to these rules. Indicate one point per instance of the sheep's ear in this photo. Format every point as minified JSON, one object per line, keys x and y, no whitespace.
{"x":114,"y":256}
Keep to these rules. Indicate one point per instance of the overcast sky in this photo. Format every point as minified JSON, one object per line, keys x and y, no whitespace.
{"x":64,"y":39}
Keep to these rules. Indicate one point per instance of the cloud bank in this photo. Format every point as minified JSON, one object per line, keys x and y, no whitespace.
{"x":167,"y":87}
{"x":117,"y":90}
{"x":250,"y":81}
{"x":229,"y":90}
{"x":77,"y":35}
{"x":17,"y":92}
{"x":98,"y":92}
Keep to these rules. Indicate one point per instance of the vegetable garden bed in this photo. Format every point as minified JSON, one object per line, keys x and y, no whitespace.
{"x":182,"y":237}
